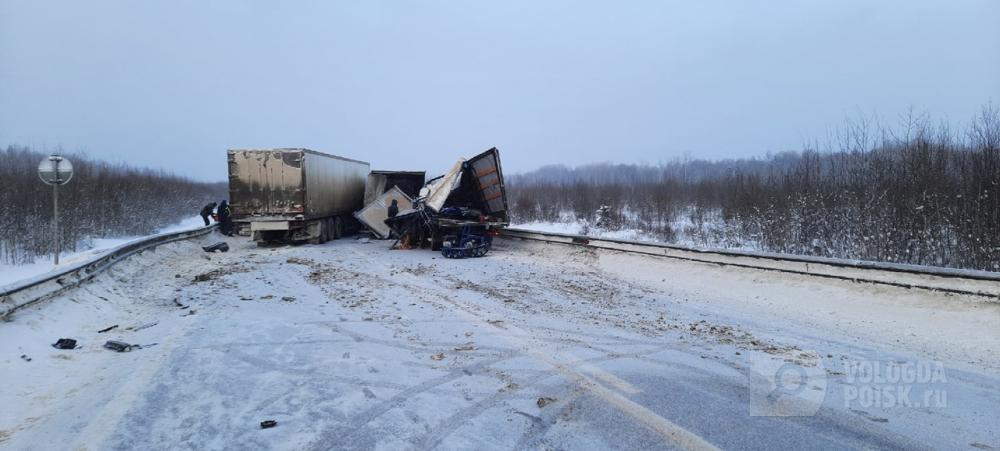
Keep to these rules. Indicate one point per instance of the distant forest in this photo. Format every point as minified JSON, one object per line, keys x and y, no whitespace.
{"x":918,"y":193}
{"x":102,"y":200}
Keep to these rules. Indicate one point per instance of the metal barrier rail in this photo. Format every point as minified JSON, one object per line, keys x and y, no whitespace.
{"x":47,"y":285}
{"x":947,"y":280}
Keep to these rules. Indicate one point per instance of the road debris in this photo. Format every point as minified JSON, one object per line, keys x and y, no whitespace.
{"x":144,"y":326}
{"x":544,"y":401}
{"x":118,"y":346}
{"x":25,"y":357}
{"x":106,"y":329}
{"x":466,"y":347}
{"x":438,"y":356}
{"x":268,"y":424}
{"x":288,"y":298}
{"x":221,"y":246}
{"x":65,"y":343}
{"x":121,"y":346}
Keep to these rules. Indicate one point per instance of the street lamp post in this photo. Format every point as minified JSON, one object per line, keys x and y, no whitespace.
{"x":55,"y":170}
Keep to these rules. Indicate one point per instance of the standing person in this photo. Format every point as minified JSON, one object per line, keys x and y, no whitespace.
{"x":206,"y":211}
{"x":225,"y":219}
{"x":394,"y":209}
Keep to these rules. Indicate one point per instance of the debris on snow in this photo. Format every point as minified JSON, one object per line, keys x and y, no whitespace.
{"x":25,"y":357}
{"x":118,"y":346}
{"x":106,"y":329}
{"x":438,"y":356}
{"x":144,"y":326}
{"x":221,"y":246}
{"x":544,"y":401}
{"x":65,"y":343}
{"x":268,"y":424}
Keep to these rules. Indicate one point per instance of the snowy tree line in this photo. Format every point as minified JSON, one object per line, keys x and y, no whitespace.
{"x":102,"y":200}
{"x":917,"y":193}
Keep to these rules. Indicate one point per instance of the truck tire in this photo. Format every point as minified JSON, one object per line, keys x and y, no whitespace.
{"x":321,"y":233}
{"x":338,"y":228}
{"x":324,"y":231}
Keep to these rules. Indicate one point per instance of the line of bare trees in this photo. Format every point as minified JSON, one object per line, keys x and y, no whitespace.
{"x":918,"y":193}
{"x":102,"y":200}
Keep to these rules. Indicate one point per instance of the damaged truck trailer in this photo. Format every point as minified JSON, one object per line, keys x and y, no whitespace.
{"x":294,"y":195}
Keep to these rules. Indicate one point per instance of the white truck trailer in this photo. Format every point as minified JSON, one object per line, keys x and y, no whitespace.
{"x":294,"y":195}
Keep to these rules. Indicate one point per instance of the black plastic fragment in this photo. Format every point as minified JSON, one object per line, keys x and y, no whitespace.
{"x":118,"y":346}
{"x":268,"y":424}
{"x":64,"y":343}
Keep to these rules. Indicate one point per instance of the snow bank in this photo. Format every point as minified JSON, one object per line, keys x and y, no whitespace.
{"x":11,"y":274}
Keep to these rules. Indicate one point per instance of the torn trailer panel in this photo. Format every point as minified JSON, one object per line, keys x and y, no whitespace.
{"x":469,"y":200}
{"x":380,"y":182}
{"x":374,"y":214}
{"x":474,"y":183}
{"x":485,"y":169}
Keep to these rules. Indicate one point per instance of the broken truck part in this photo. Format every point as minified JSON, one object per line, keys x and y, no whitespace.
{"x":65,"y":343}
{"x":374,"y":214}
{"x":294,"y":195}
{"x":463,"y":208}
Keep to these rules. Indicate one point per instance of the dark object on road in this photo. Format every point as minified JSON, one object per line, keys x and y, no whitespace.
{"x":118,"y":346}
{"x":268,"y":424}
{"x":25,"y":357}
{"x":107,"y":329}
{"x":206,"y":212}
{"x":144,"y":326}
{"x":65,"y":343}
{"x":221,"y":247}
{"x":544,"y":401}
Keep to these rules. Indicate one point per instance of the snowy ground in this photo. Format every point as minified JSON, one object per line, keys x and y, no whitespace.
{"x":10,"y":274}
{"x":350,"y":345}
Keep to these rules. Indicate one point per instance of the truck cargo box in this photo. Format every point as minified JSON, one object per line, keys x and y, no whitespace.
{"x":301,"y":191}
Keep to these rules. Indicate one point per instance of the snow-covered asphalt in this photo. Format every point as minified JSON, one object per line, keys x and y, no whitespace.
{"x":349,"y":345}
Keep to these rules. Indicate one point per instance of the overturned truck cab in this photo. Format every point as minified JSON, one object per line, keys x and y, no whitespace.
{"x":294,"y":195}
{"x":463,"y":209}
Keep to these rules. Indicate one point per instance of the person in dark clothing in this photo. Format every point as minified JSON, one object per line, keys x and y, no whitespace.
{"x":225,"y":219}
{"x":206,"y":211}
{"x":394,"y":209}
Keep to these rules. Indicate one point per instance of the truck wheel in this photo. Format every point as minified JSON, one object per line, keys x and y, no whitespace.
{"x":320,"y":237}
{"x":338,"y":228}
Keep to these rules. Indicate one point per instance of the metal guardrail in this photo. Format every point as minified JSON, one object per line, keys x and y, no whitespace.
{"x":45,"y":286}
{"x":947,"y":280}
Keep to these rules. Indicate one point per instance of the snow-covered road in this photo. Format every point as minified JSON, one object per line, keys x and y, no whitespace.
{"x":350,"y":345}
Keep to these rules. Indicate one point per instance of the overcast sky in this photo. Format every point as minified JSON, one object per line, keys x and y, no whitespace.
{"x":414,"y":85}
